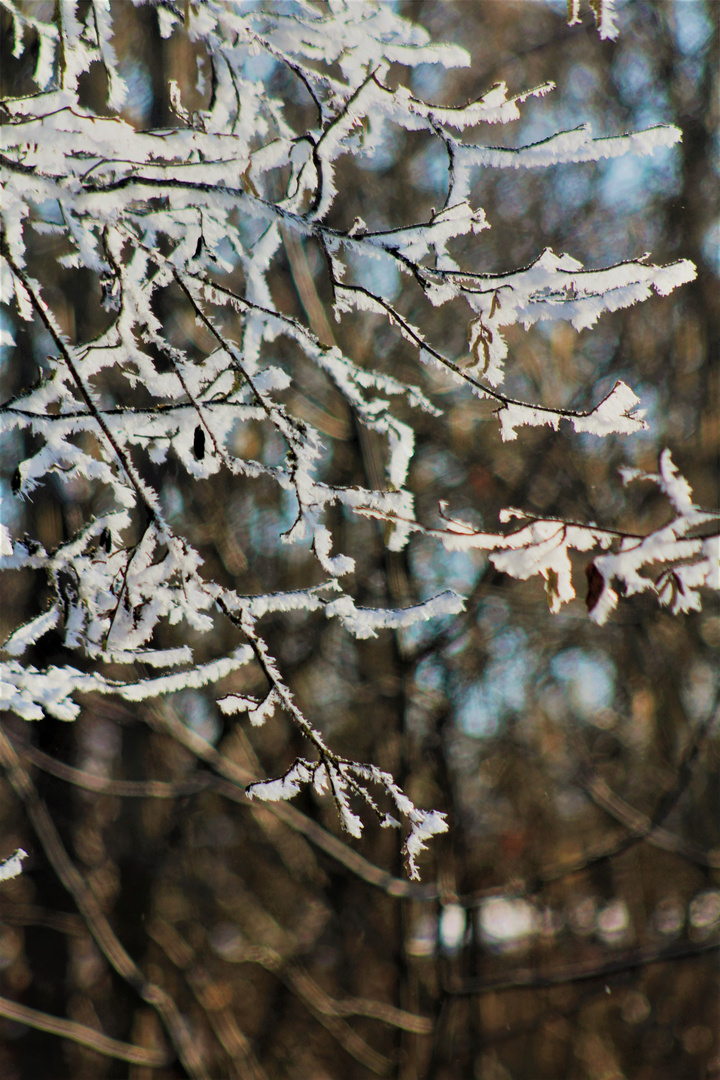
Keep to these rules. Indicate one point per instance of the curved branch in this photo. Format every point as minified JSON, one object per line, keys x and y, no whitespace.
{"x":84,"y":1036}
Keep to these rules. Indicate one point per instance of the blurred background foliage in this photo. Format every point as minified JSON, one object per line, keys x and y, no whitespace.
{"x":565,"y":925}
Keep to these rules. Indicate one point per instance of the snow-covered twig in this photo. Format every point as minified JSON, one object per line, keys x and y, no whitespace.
{"x":196,"y":211}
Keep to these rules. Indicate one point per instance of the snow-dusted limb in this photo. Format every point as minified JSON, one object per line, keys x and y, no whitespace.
{"x":197,"y":211}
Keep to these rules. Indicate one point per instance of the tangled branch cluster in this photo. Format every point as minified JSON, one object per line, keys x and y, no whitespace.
{"x":196,"y":210}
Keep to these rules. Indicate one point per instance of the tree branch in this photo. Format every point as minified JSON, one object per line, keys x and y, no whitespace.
{"x":84,"y":1036}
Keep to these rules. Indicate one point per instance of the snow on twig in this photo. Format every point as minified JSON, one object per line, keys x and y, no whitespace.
{"x":196,"y":210}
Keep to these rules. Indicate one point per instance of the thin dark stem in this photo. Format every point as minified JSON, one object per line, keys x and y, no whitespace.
{"x":531,"y":979}
{"x":62,"y":348}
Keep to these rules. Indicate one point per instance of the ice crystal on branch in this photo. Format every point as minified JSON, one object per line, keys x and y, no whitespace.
{"x":199,"y":212}
{"x":672,"y":563}
{"x":10,"y":868}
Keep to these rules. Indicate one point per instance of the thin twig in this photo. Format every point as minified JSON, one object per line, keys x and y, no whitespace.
{"x":236,"y":779}
{"x":49,"y":324}
{"x":85,"y":1036}
{"x":528,"y":978}
{"x":127,"y":789}
{"x":641,"y":827}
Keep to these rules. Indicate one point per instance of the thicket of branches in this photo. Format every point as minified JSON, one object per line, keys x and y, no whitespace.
{"x":284,"y":437}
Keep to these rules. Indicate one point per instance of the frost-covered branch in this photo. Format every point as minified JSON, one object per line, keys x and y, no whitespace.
{"x":197,"y":213}
{"x":672,"y":562}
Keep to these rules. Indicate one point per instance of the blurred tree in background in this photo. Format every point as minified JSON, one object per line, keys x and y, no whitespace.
{"x":566,"y":924}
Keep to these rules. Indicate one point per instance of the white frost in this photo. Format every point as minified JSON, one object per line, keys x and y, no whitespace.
{"x":204,"y":209}
{"x":365,"y":622}
{"x":12,"y":867}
